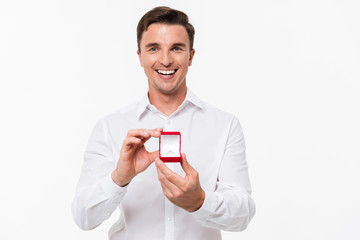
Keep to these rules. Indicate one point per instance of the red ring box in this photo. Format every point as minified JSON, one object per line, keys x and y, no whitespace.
{"x":170,"y":147}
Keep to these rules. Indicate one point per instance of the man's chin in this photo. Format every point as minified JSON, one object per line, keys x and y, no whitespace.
{"x":167,"y":91}
{"x":169,"y":88}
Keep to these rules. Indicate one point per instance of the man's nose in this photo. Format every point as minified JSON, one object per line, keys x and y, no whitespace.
{"x":166,"y":59}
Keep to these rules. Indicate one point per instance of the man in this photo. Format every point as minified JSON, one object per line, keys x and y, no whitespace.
{"x":207,"y":192}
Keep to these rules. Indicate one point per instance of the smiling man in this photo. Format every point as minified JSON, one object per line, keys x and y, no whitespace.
{"x":207,"y":192}
{"x":165,"y":53}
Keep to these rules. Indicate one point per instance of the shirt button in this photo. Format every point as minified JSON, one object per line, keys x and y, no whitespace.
{"x":169,"y":219}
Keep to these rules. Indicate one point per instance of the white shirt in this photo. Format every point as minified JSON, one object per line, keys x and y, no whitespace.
{"x":214,"y":145}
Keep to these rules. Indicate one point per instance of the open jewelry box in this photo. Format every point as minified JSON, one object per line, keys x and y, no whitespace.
{"x":170,"y":147}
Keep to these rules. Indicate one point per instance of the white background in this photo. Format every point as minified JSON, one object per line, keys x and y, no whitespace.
{"x":290,"y":71}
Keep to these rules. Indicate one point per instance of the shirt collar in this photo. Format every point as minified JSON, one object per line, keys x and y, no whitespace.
{"x":192,"y":98}
{"x":144,"y":103}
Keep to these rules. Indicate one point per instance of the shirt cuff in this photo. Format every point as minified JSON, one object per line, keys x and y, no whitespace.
{"x":206,"y":210}
{"x":111,"y":189}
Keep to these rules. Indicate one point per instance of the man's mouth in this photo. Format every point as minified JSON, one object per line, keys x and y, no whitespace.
{"x":166,"y":72}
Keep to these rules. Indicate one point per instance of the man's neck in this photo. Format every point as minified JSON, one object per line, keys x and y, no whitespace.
{"x":167,"y":103}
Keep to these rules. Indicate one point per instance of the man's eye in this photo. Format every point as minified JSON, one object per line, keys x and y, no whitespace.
{"x":177,"y":49}
{"x":153,"y":49}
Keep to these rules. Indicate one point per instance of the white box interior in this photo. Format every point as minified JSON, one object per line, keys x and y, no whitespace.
{"x":170,"y":146}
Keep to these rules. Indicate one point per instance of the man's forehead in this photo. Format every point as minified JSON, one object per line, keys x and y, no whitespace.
{"x":163,"y":31}
{"x":159,"y":24}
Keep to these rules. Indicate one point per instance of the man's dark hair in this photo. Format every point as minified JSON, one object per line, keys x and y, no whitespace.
{"x":165,"y":15}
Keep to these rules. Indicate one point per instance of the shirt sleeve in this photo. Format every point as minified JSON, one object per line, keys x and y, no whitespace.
{"x":230,"y":207}
{"x":96,"y":196}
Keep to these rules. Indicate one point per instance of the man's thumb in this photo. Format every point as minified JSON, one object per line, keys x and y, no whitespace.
{"x":153,"y":155}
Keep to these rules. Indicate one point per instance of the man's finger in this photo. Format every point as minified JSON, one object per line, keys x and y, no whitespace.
{"x":170,"y":175}
{"x":165,"y":189}
{"x":144,"y":133}
{"x":185,"y":164}
{"x":156,"y":132}
{"x":131,"y":141}
{"x":168,"y":187}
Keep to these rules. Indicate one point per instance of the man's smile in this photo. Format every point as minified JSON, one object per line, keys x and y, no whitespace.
{"x":166,"y":72}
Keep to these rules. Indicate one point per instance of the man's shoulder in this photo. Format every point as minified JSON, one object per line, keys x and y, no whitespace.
{"x":216,"y":112}
{"x":207,"y":108}
{"x":125,"y":113}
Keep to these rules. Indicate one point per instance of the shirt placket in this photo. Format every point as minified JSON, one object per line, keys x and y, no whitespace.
{"x":169,"y":207}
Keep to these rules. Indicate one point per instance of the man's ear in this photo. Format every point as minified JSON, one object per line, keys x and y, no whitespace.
{"x":139,"y":55}
{"x":192,"y":52}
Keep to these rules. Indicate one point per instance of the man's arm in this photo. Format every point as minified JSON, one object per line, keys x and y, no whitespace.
{"x":230,"y":207}
{"x":101,"y":188}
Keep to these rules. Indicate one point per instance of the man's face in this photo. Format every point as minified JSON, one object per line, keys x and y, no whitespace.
{"x":165,"y":56}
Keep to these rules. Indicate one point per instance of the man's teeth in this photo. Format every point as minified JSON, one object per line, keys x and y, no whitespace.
{"x":166,"y":72}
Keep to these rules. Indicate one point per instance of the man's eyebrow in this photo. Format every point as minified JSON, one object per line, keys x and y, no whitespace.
{"x":151,"y":45}
{"x":179,"y":45}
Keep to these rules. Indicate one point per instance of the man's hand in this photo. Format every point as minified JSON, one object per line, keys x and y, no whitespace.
{"x":134,"y":158}
{"x":184,"y":192}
